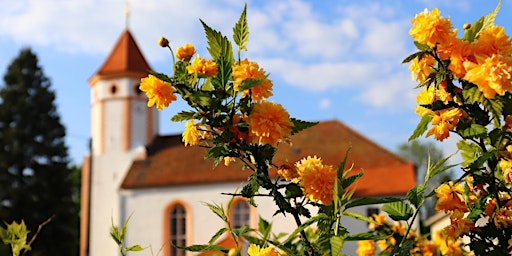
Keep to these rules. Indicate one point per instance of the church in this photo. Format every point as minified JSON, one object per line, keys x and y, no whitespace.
{"x":134,"y":172}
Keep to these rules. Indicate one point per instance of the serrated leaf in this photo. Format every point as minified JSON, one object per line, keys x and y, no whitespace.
{"x":248,"y":84}
{"x":241,"y":31}
{"x":472,"y":130}
{"x":415,"y":195}
{"x":469,"y":152}
{"x":203,"y":248}
{"x":224,"y":71}
{"x":367,"y":236}
{"x":336,"y":243}
{"x":482,"y":24}
{"x":293,"y":190}
{"x":183,"y":116}
{"x":370,"y":200}
{"x":439,"y":167}
{"x":218,"y":210}
{"x":398,"y":210}
{"x":218,"y":45}
{"x":299,"y":125}
{"x":358,"y":216}
{"x":346,"y":182}
{"x":421,"y":128}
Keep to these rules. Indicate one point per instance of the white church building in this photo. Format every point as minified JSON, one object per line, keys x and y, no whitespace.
{"x":134,"y":171}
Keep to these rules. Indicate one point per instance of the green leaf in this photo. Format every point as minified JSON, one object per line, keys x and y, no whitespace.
{"x":473,"y":95}
{"x":422,"y":127}
{"x":293,"y":190}
{"x":470,"y":152}
{"x":203,"y":248}
{"x":482,"y":24}
{"x":415,"y":195}
{"x":439,"y":167}
{"x":216,"y":236}
{"x":370,"y":201}
{"x":398,"y":210}
{"x":218,"y":45}
{"x":336,"y":245}
{"x":367,"y":236}
{"x":304,"y":225}
{"x":346,"y":182}
{"x":217,"y":151}
{"x":183,"y":116}
{"x":224,"y":71}
{"x":413,"y":56}
{"x":422,"y":47}
{"x":358,"y":216}
{"x":299,"y":125}
{"x":134,"y":248}
{"x":218,"y":210}
{"x":250,"y":83}
{"x":241,"y":31}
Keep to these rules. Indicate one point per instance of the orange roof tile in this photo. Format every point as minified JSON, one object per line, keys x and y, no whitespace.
{"x":125,"y":59}
{"x":170,"y":163}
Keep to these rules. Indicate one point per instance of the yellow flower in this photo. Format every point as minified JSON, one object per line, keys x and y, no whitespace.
{"x":202,"y":66}
{"x":492,"y":75}
{"x":185,"y":52}
{"x":442,"y":93}
{"x":459,"y":225}
{"x":191,"y":135}
{"x":288,"y":172}
{"x":317,"y":179}
{"x":380,"y":218}
{"x":158,"y":92}
{"x":228,"y":160}
{"x":430,"y":28}
{"x":449,"y":197}
{"x":162,"y":41}
{"x":255,"y":250}
{"x":506,"y":168}
{"x":420,"y":69}
{"x":426,"y":96}
{"x":493,"y":40}
{"x":448,"y":246}
{"x":269,"y":123}
{"x":365,"y":248}
{"x":443,"y":122}
{"x":503,"y":217}
{"x":460,"y":52}
{"x":246,"y":69}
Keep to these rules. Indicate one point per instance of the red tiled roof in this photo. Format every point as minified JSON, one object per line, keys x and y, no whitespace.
{"x":125,"y":59}
{"x":170,"y":163}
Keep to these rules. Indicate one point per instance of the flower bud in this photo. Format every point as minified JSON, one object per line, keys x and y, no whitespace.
{"x":466,"y":26}
{"x":163,"y":42}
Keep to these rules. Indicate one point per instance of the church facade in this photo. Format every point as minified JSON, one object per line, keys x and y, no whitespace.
{"x":134,"y":172}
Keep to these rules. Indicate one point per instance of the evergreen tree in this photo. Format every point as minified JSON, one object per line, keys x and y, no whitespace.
{"x":35,"y":177}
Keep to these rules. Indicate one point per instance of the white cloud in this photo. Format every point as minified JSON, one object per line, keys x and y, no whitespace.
{"x":324,"y":104}
{"x":394,"y":91}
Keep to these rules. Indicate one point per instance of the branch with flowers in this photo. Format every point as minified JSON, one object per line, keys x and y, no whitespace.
{"x":466,"y":85}
{"x":230,"y":115}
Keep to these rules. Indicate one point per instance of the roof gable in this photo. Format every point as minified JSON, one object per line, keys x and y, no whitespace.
{"x":125,"y":59}
{"x":170,"y":163}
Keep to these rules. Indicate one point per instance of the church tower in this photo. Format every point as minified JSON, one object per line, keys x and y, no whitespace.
{"x":121,"y":126}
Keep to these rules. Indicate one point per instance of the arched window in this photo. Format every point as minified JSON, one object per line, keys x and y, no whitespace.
{"x":240,"y":214}
{"x":177,"y":229}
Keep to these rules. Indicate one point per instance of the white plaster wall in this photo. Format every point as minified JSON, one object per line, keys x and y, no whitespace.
{"x":147,"y":209}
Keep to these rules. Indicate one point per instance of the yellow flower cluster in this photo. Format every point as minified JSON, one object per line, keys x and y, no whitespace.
{"x":485,"y":62}
{"x":185,"y":53}
{"x":255,"y":250}
{"x":250,"y":70}
{"x":317,"y":179}
{"x":269,"y":123}
{"x":158,"y":92}
{"x":450,"y":197}
{"x":366,"y":248}
{"x":202,"y":66}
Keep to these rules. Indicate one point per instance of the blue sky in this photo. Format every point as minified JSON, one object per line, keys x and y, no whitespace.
{"x":330,"y":59}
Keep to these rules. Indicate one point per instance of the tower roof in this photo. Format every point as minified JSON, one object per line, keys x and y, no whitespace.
{"x":125,"y":60}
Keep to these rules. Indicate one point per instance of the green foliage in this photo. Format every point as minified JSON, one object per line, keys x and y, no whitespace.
{"x":421,"y":128}
{"x":119,"y":234}
{"x":15,"y":235}
{"x":483,"y":23}
{"x":218,"y":45}
{"x":241,"y":31}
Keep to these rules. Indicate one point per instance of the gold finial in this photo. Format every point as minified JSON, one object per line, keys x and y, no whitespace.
{"x":127,"y":13}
